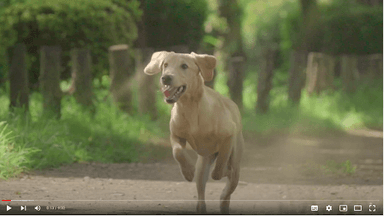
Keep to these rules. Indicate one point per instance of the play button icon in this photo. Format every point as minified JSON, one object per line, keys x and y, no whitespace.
{"x":8,"y":208}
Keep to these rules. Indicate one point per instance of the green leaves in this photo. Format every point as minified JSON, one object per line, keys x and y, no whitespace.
{"x":95,"y":24}
{"x":210,"y":40}
{"x":175,"y":22}
{"x":343,"y":28}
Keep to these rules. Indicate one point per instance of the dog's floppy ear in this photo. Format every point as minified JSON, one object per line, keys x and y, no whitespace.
{"x":154,"y":66}
{"x":206,"y":63}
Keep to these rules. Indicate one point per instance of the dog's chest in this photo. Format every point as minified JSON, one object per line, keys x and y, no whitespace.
{"x":202,"y":137}
{"x":203,"y":143}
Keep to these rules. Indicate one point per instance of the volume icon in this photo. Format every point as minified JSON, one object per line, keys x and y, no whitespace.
{"x":8,"y":208}
{"x":37,"y":208}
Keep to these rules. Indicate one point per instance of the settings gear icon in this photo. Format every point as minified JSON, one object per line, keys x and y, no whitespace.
{"x":328,"y":208}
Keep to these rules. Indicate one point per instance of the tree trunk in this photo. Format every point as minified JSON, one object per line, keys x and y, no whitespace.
{"x":121,"y":69}
{"x":147,"y":86}
{"x":50,"y":69}
{"x":235,"y":80}
{"x":264,"y":82}
{"x":349,"y":72}
{"x":232,"y":50}
{"x":18,"y":77}
{"x":141,"y":41}
{"x":310,"y":16}
{"x":298,"y":64}
{"x":81,"y":86}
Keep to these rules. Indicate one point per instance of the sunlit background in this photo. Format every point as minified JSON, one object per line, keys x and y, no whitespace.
{"x":250,"y":29}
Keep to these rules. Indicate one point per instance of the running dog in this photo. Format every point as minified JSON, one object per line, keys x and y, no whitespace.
{"x":209,"y":122}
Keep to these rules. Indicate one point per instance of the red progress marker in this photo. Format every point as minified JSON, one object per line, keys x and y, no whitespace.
{"x":5,"y":200}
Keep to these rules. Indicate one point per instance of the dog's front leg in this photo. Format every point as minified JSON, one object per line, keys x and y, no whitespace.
{"x":203,"y":165}
{"x":179,"y":153}
{"x":225,"y":151}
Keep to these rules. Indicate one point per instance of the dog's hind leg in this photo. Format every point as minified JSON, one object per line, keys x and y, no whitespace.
{"x":233,"y":175}
{"x":232,"y":181}
{"x":203,"y":165}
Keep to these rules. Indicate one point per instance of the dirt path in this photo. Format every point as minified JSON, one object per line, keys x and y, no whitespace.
{"x":280,"y":174}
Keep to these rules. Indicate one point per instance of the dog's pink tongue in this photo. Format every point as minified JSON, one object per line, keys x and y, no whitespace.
{"x":166,"y":93}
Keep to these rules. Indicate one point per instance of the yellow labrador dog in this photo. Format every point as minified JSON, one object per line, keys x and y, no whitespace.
{"x":209,"y":122}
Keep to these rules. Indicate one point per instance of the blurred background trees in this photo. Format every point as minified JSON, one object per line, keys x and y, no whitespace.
{"x":323,"y":56}
{"x":249,"y":37}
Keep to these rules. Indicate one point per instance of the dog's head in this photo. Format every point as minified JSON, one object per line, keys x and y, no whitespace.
{"x":181,"y":73}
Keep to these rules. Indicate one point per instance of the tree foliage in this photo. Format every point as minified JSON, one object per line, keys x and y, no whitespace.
{"x":170,"y":22}
{"x":95,"y":24}
{"x":342,"y":28}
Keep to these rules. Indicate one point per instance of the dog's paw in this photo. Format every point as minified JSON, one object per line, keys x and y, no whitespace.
{"x":188,"y":173}
{"x":217,"y":175}
{"x":224,"y":210}
{"x":224,"y":204}
{"x":201,"y":208}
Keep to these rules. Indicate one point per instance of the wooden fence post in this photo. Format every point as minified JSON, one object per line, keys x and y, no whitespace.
{"x":81,"y":86}
{"x":364,"y":66}
{"x":50,"y":69}
{"x":349,"y":72}
{"x":370,"y":66}
{"x":264,"y":81}
{"x":296,"y":82}
{"x":320,"y":72}
{"x":18,"y":77}
{"x":121,"y":70}
{"x":375,"y":67}
{"x":147,"y":86}
{"x":329,"y":73}
{"x":312,"y":72}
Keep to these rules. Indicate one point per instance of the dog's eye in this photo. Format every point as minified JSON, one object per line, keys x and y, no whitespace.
{"x":184,"y":66}
{"x":165,"y":65}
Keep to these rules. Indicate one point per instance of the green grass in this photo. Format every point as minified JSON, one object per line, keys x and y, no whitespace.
{"x":13,"y":160}
{"x":338,"y":168}
{"x":331,"y":167}
{"x":35,"y":142}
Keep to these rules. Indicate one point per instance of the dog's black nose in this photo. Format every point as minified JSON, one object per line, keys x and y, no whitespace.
{"x":166,"y":79}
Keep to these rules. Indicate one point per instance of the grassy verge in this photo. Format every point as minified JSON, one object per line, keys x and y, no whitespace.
{"x":13,"y":159}
{"x":330,"y":168}
{"x":110,"y":136}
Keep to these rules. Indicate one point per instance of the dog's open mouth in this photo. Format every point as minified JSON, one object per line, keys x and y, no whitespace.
{"x":172,"y":94}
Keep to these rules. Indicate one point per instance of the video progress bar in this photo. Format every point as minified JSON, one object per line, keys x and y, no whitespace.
{"x":18,"y":200}
{"x":194,"y":200}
